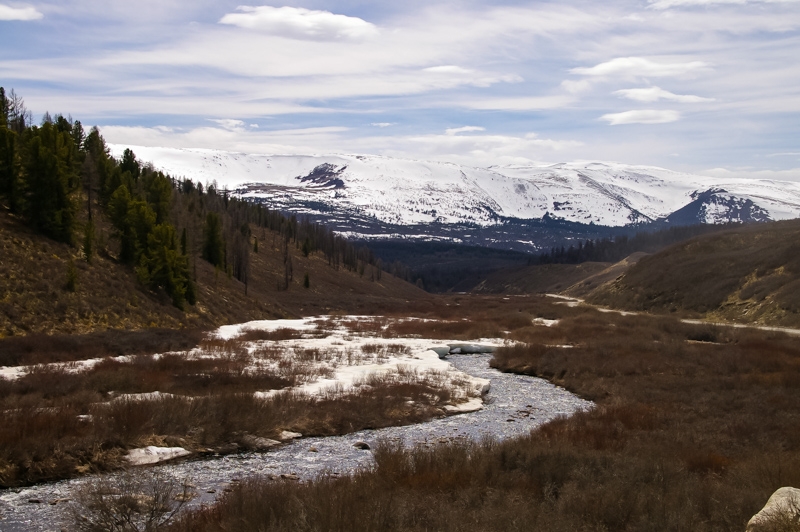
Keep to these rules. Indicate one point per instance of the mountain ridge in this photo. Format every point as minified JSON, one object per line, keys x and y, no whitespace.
{"x":376,"y":195}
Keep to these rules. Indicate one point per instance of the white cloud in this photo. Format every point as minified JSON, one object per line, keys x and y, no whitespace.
{"x":575,"y":87}
{"x":229,"y":123}
{"x":382,"y":124}
{"x":465,"y":129}
{"x":522,"y":103}
{"x":301,"y":23}
{"x":640,"y":66}
{"x":19,"y":13}
{"x":654,"y":94}
{"x":482,"y":150}
{"x":641,"y":116}
{"x":667,"y":4}
{"x":475,"y":150}
{"x":448,"y":69}
{"x":288,"y":141}
{"x":791,"y":174}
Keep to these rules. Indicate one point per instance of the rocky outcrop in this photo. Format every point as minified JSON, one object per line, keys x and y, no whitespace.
{"x":780,"y":514}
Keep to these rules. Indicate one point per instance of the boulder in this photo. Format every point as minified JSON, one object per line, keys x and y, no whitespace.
{"x":153,"y":454}
{"x":289,"y":435}
{"x":254,"y":443}
{"x":782,"y":512}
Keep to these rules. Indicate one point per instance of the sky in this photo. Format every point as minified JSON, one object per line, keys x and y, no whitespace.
{"x":706,"y":86}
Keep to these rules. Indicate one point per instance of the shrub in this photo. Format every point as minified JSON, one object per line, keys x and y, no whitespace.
{"x":141,"y":500}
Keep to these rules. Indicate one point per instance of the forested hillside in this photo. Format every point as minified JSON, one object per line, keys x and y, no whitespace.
{"x":90,"y":242}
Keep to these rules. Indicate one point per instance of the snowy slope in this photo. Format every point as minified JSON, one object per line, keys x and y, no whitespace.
{"x":407,"y":192}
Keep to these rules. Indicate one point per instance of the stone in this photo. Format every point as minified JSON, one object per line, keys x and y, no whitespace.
{"x":362,"y":445}
{"x":782,"y":508}
{"x":227,"y":448}
{"x":289,"y":476}
{"x":254,"y":443}
{"x":289,"y":435}
{"x":153,"y":454}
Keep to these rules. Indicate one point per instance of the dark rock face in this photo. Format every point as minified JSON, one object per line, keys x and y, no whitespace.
{"x":716,"y":205}
{"x":326,"y":176}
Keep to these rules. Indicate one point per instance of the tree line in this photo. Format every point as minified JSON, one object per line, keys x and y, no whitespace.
{"x":616,"y":249}
{"x":48,"y":172}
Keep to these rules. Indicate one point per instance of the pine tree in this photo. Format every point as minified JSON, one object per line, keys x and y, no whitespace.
{"x":130,"y":164}
{"x":50,"y":178}
{"x":88,"y":241}
{"x":213,"y":245}
{"x":9,"y":169}
{"x":183,"y":242}
{"x":118,"y":207}
{"x":162,"y":266}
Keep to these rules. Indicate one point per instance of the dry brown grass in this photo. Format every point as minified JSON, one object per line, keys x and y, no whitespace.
{"x":695,"y":428}
{"x":67,"y":419}
{"x":40,"y":348}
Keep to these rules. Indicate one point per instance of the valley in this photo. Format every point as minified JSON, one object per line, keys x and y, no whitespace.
{"x":285,"y":374}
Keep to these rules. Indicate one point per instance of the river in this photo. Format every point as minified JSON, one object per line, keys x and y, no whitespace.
{"x":514,"y":405}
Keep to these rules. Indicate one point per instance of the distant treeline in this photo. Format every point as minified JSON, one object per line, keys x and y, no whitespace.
{"x":614,"y":250}
{"x":54,"y":174}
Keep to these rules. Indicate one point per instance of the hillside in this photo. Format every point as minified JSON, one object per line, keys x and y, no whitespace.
{"x":588,"y":284}
{"x":538,"y":279}
{"x":749,"y":274}
{"x":34,"y":298}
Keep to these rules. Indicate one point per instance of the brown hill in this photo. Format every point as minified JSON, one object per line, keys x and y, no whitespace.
{"x":34,"y":297}
{"x":592,"y":282}
{"x":539,"y":278}
{"x":749,"y":274}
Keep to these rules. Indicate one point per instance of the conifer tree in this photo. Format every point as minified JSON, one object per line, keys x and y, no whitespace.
{"x":9,"y":168}
{"x":88,"y":241}
{"x":213,"y":245}
{"x":162,"y":266}
{"x":50,"y":179}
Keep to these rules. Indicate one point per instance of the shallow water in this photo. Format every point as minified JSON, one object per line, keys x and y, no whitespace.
{"x":514,"y":405}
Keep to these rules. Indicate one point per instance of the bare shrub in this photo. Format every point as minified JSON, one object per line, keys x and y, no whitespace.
{"x":255,"y":335}
{"x":142,"y":500}
{"x":40,"y":348}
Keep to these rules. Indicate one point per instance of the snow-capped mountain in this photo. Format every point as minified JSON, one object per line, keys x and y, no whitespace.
{"x":373,"y":196}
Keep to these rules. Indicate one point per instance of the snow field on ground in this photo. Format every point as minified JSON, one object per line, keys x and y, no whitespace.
{"x":336,"y":360}
{"x":325,"y":357}
{"x":405,"y":192}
